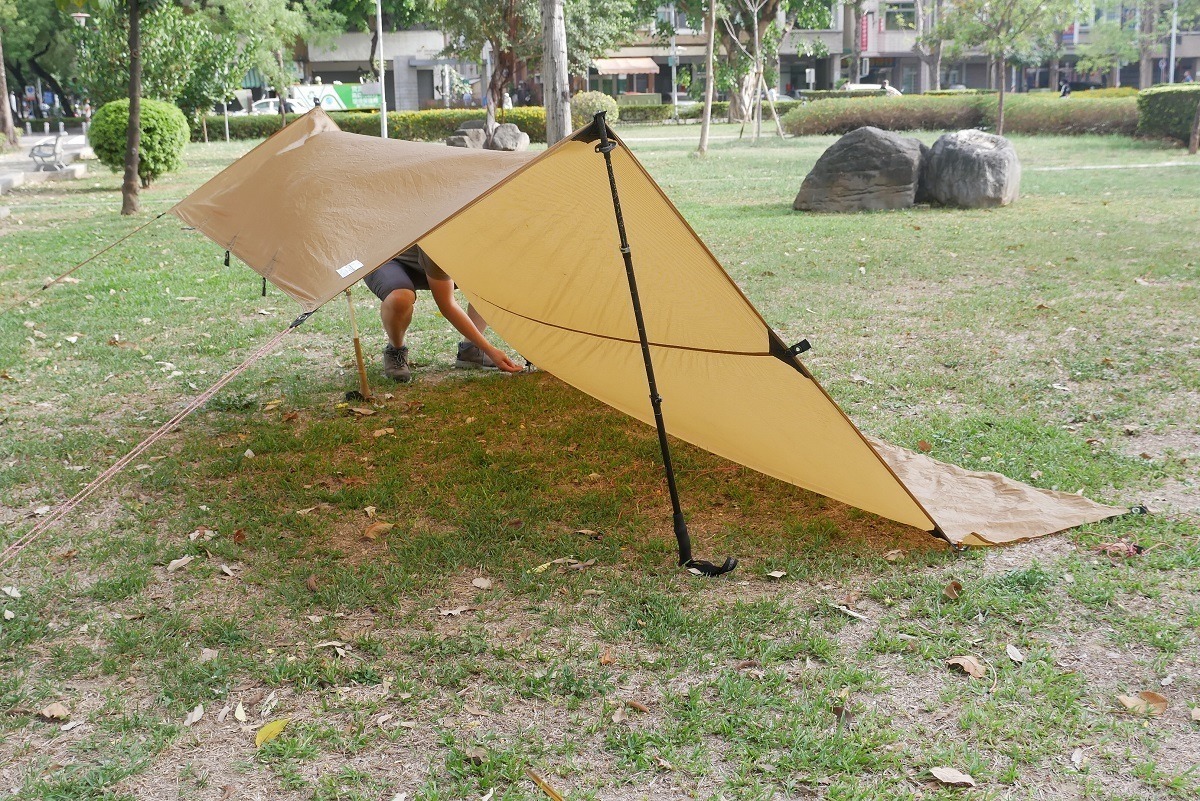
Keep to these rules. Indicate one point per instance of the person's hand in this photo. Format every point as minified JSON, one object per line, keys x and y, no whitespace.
{"x":501,"y":360}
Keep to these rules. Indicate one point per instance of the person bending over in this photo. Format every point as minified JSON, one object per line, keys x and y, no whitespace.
{"x":396,"y":284}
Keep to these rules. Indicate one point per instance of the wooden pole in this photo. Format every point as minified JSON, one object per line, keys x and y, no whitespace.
{"x":364,"y":388}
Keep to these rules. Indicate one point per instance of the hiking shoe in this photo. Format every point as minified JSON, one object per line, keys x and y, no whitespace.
{"x":470,"y":357}
{"x":395,"y":363}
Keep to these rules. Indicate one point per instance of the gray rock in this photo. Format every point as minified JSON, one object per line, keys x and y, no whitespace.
{"x":509,"y":137}
{"x":469,"y":125}
{"x":973,"y":170}
{"x":468,"y":137}
{"x":866,"y":170}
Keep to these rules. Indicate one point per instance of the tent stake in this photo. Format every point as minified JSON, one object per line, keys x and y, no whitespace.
{"x":364,"y":388}
{"x":606,"y":147}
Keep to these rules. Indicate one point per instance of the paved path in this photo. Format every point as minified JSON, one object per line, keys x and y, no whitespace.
{"x":16,"y":167}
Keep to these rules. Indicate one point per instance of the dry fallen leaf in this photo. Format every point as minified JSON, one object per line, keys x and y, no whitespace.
{"x":270,"y":731}
{"x":374,"y":530}
{"x":456,"y":611}
{"x":11,"y":592}
{"x":1014,"y":653}
{"x":606,"y":658}
{"x":638,"y":705}
{"x":207,"y":655}
{"x":74,"y":724}
{"x":239,"y":713}
{"x":362,"y":410}
{"x":952,"y":590}
{"x":381,"y":432}
{"x":194,"y":716}
{"x":1146,"y":702}
{"x":777,"y":574}
{"x":968,"y":665}
{"x":952,"y":778}
{"x":924,"y":447}
{"x":311,"y":583}
{"x":481,"y":583}
{"x":476,"y":755}
{"x":619,"y":716}
{"x":227,"y":792}
{"x":55,"y":711}
{"x":1078,"y":759}
{"x":893,"y":556}
{"x":180,"y":563}
{"x":1196,"y":713}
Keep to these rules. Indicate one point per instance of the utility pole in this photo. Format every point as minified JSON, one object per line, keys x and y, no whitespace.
{"x":382,"y":71}
{"x":556,"y":88}
{"x":1174,"y":33}
{"x":674,"y":59}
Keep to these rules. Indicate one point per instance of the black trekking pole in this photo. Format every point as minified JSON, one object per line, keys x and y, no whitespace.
{"x":606,"y":147}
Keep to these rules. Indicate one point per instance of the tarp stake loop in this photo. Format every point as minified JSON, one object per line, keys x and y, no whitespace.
{"x":799,"y":347}
{"x":681,"y":532}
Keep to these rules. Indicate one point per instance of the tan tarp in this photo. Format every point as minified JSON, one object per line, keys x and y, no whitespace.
{"x":532,"y":241}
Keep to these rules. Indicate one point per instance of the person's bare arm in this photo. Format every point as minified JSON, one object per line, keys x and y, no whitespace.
{"x":443,"y":294}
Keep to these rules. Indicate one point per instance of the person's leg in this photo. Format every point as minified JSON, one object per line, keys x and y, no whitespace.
{"x":396,"y":311}
{"x":394,"y":286}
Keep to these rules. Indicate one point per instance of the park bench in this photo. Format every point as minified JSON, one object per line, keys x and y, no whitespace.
{"x":49,"y":155}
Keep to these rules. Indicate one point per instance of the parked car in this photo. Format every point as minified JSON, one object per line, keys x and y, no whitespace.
{"x":270,"y":105}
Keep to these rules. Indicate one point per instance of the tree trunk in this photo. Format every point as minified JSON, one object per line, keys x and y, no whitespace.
{"x":556,"y":92}
{"x":855,"y":42}
{"x":130,"y":203}
{"x":1194,"y":140}
{"x":7,"y":131}
{"x":1000,"y":104}
{"x":1116,"y":75}
{"x":1052,"y":78}
{"x":710,"y":79}
{"x":20,"y":76}
{"x":937,"y":68}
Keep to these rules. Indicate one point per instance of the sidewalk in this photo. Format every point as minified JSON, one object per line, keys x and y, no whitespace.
{"x":18,"y":169}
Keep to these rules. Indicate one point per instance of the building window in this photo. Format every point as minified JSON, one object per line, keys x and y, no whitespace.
{"x":900,"y":15}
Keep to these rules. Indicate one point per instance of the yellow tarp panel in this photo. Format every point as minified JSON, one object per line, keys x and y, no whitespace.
{"x":532,"y":240}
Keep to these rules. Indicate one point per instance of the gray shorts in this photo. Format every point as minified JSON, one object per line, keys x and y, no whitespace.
{"x":396,"y":274}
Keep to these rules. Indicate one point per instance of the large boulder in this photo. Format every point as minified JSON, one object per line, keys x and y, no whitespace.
{"x":866,"y":170}
{"x":468,"y":137}
{"x":509,"y":137}
{"x":973,"y":170}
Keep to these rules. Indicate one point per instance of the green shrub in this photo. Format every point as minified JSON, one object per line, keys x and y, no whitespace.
{"x":586,"y":105}
{"x":1168,"y":110}
{"x":1023,"y":114}
{"x":164,"y":135}
{"x":1110,"y":91}
{"x":1066,"y":116}
{"x":908,"y":113}
{"x":427,"y":126}
{"x":647,"y":113}
{"x":944,"y":92}
{"x":835,"y":94}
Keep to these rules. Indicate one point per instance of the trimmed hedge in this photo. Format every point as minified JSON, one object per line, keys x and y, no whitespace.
{"x":1110,"y":91}
{"x":427,"y":126}
{"x":945,"y":92}
{"x":1168,"y":110}
{"x":908,"y":113}
{"x":1068,"y":116}
{"x":586,"y":105}
{"x":1023,"y":114}
{"x":836,"y":94}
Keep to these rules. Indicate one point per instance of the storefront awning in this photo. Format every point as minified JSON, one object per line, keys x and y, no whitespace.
{"x":626,"y":66}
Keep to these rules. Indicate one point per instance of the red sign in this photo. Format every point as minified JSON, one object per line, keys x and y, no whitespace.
{"x":862,"y":32}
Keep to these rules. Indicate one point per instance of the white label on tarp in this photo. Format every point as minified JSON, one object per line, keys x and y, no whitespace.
{"x":349,"y":268}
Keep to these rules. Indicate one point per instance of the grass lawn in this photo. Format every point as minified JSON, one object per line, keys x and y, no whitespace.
{"x":1054,"y":341}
